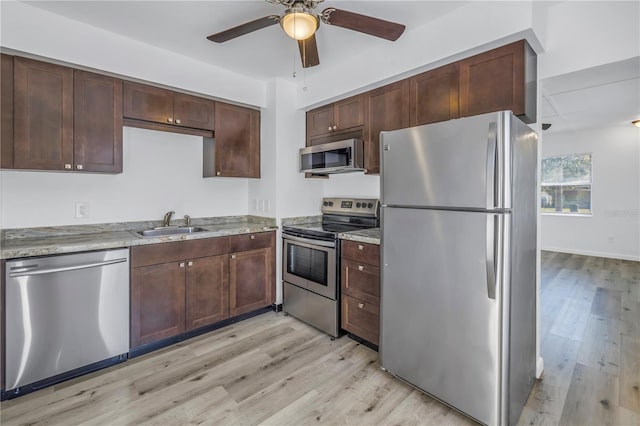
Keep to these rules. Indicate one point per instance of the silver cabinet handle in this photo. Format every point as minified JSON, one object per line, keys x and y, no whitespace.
{"x":335,"y":127}
{"x":253,"y":237}
{"x":360,"y":268}
{"x":329,"y":128}
{"x":169,"y":120}
{"x":177,"y":121}
{"x":79,"y":166}
{"x":360,"y":247}
{"x":29,"y":269}
{"x":233,"y":256}
{"x":67,"y":166}
{"x":189,"y":263}
{"x":218,"y":173}
{"x":181,"y":264}
{"x":360,"y":305}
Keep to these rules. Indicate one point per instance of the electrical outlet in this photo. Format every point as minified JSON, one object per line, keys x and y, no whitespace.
{"x":82,"y":210}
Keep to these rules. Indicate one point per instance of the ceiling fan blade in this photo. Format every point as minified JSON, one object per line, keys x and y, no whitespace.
{"x":362,"y":23}
{"x":245,"y":28}
{"x":309,"y":52}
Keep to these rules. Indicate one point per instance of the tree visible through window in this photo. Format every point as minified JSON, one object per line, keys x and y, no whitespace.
{"x":566,"y":184}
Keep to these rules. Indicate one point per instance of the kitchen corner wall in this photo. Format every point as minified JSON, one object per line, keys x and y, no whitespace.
{"x":614,"y":229}
{"x":161,"y":172}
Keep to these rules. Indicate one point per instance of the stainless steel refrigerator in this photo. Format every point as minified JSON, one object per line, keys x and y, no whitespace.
{"x":458,"y":292}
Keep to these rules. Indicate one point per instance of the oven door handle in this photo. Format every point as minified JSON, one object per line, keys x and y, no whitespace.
{"x":308,"y":241}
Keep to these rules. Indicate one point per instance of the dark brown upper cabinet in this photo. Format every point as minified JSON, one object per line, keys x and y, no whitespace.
{"x":43,"y":116}
{"x":176,"y":111}
{"x":6,"y":110}
{"x":500,"y":79}
{"x":334,"y":118}
{"x":433,"y":96}
{"x":387,"y":109}
{"x":235,"y":151}
{"x":63,"y":119}
{"x":97,"y":122}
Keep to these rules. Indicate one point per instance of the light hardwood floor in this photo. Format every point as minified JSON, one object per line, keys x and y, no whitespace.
{"x":276,"y":370}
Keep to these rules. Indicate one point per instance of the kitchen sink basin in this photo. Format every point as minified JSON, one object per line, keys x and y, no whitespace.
{"x":170,"y":230}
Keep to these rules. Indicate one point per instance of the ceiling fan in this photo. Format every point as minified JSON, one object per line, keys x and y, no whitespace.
{"x":300,"y":21}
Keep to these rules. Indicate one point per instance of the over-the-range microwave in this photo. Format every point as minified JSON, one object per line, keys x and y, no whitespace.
{"x":333,"y":157}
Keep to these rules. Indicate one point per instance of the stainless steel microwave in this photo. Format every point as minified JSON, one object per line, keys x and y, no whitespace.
{"x":333,"y":157}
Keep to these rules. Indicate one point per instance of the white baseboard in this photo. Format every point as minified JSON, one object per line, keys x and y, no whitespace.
{"x":539,"y":367}
{"x":592,"y":253}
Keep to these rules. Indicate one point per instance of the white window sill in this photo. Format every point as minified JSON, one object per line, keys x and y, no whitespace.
{"x":567,"y":214}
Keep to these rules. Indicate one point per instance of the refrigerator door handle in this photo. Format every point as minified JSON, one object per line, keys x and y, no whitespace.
{"x":492,"y":153}
{"x":491,"y":255}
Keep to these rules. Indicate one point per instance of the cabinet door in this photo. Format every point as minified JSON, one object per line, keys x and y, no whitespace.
{"x":6,"y":110}
{"x":250,"y":280}
{"x":361,"y":318}
{"x":237,"y":141}
{"x":43,"y":120}
{"x":320,"y":121}
{"x":361,"y":281}
{"x":157,"y":302}
{"x":147,"y":103}
{"x":97,"y":122}
{"x":493,"y":81}
{"x":434,"y":96}
{"x":348,"y":113}
{"x":387,"y":109}
{"x":194,"y":112}
{"x":207,"y":291}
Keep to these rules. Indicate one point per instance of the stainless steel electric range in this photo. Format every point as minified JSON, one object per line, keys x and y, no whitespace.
{"x":311,"y":260}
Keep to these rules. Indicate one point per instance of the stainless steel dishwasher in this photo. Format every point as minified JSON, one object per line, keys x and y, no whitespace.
{"x":65,"y":315}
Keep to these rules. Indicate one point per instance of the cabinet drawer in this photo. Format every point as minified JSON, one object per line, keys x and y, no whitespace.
{"x":361,"y":318}
{"x":361,"y":281}
{"x":361,"y":252}
{"x":253,"y":241}
{"x":154,"y":254}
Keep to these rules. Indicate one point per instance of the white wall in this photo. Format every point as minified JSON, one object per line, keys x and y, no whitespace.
{"x":161,"y":172}
{"x":355,"y":184}
{"x":30,"y":29}
{"x":614,"y":228}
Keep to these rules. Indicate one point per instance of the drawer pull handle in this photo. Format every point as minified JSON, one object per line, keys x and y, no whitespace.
{"x":360,"y":268}
{"x":182,"y":264}
{"x":360,"y":305}
{"x":189,"y":263}
{"x":253,"y":237}
{"x":233,"y":256}
{"x":360,"y":247}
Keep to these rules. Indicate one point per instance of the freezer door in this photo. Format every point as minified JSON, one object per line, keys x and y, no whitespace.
{"x":457,"y":163}
{"x":440,"y":315}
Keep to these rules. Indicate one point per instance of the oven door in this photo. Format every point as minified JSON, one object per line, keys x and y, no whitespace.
{"x":310,"y":264}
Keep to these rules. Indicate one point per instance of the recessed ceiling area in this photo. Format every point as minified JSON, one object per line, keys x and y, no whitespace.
{"x":600,"y":96}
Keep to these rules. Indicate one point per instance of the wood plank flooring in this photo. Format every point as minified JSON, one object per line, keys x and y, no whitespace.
{"x":275,"y":370}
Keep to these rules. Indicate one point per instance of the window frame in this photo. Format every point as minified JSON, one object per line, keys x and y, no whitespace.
{"x":542,"y":186}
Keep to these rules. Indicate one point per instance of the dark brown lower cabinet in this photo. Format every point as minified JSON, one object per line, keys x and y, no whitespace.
{"x":207,"y":291}
{"x":157,"y":302}
{"x":360,"y":290}
{"x":177,"y":287}
{"x":251,"y":272}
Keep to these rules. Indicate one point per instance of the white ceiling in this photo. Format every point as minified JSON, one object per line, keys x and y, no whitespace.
{"x":604,"y":95}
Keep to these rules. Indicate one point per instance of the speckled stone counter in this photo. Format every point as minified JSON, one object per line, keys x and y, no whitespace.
{"x":27,"y":242}
{"x":369,"y":236}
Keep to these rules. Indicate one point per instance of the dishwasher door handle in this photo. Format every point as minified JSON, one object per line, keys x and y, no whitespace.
{"x":27,"y":270}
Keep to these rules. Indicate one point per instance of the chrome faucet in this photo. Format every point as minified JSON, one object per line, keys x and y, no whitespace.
{"x":167,"y":218}
{"x":187,"y":219}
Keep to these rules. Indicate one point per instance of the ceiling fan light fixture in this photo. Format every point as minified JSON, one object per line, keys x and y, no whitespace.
{"x":299,"y":22}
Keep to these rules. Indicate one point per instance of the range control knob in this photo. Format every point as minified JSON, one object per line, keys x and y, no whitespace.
{"x":370,"y":205}
{"x":330,"y":203}
{"x":326,"y":203}
{"x":358,"y":205}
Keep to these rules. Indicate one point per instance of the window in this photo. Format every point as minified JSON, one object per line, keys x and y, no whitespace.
{"x":566,"y":184}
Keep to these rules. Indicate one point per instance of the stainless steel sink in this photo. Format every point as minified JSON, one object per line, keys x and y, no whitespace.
{"x":170,"y":230}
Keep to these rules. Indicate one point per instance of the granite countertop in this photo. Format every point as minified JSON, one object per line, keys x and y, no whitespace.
{"x":27,"y":242}
{"x":369,"y":236}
